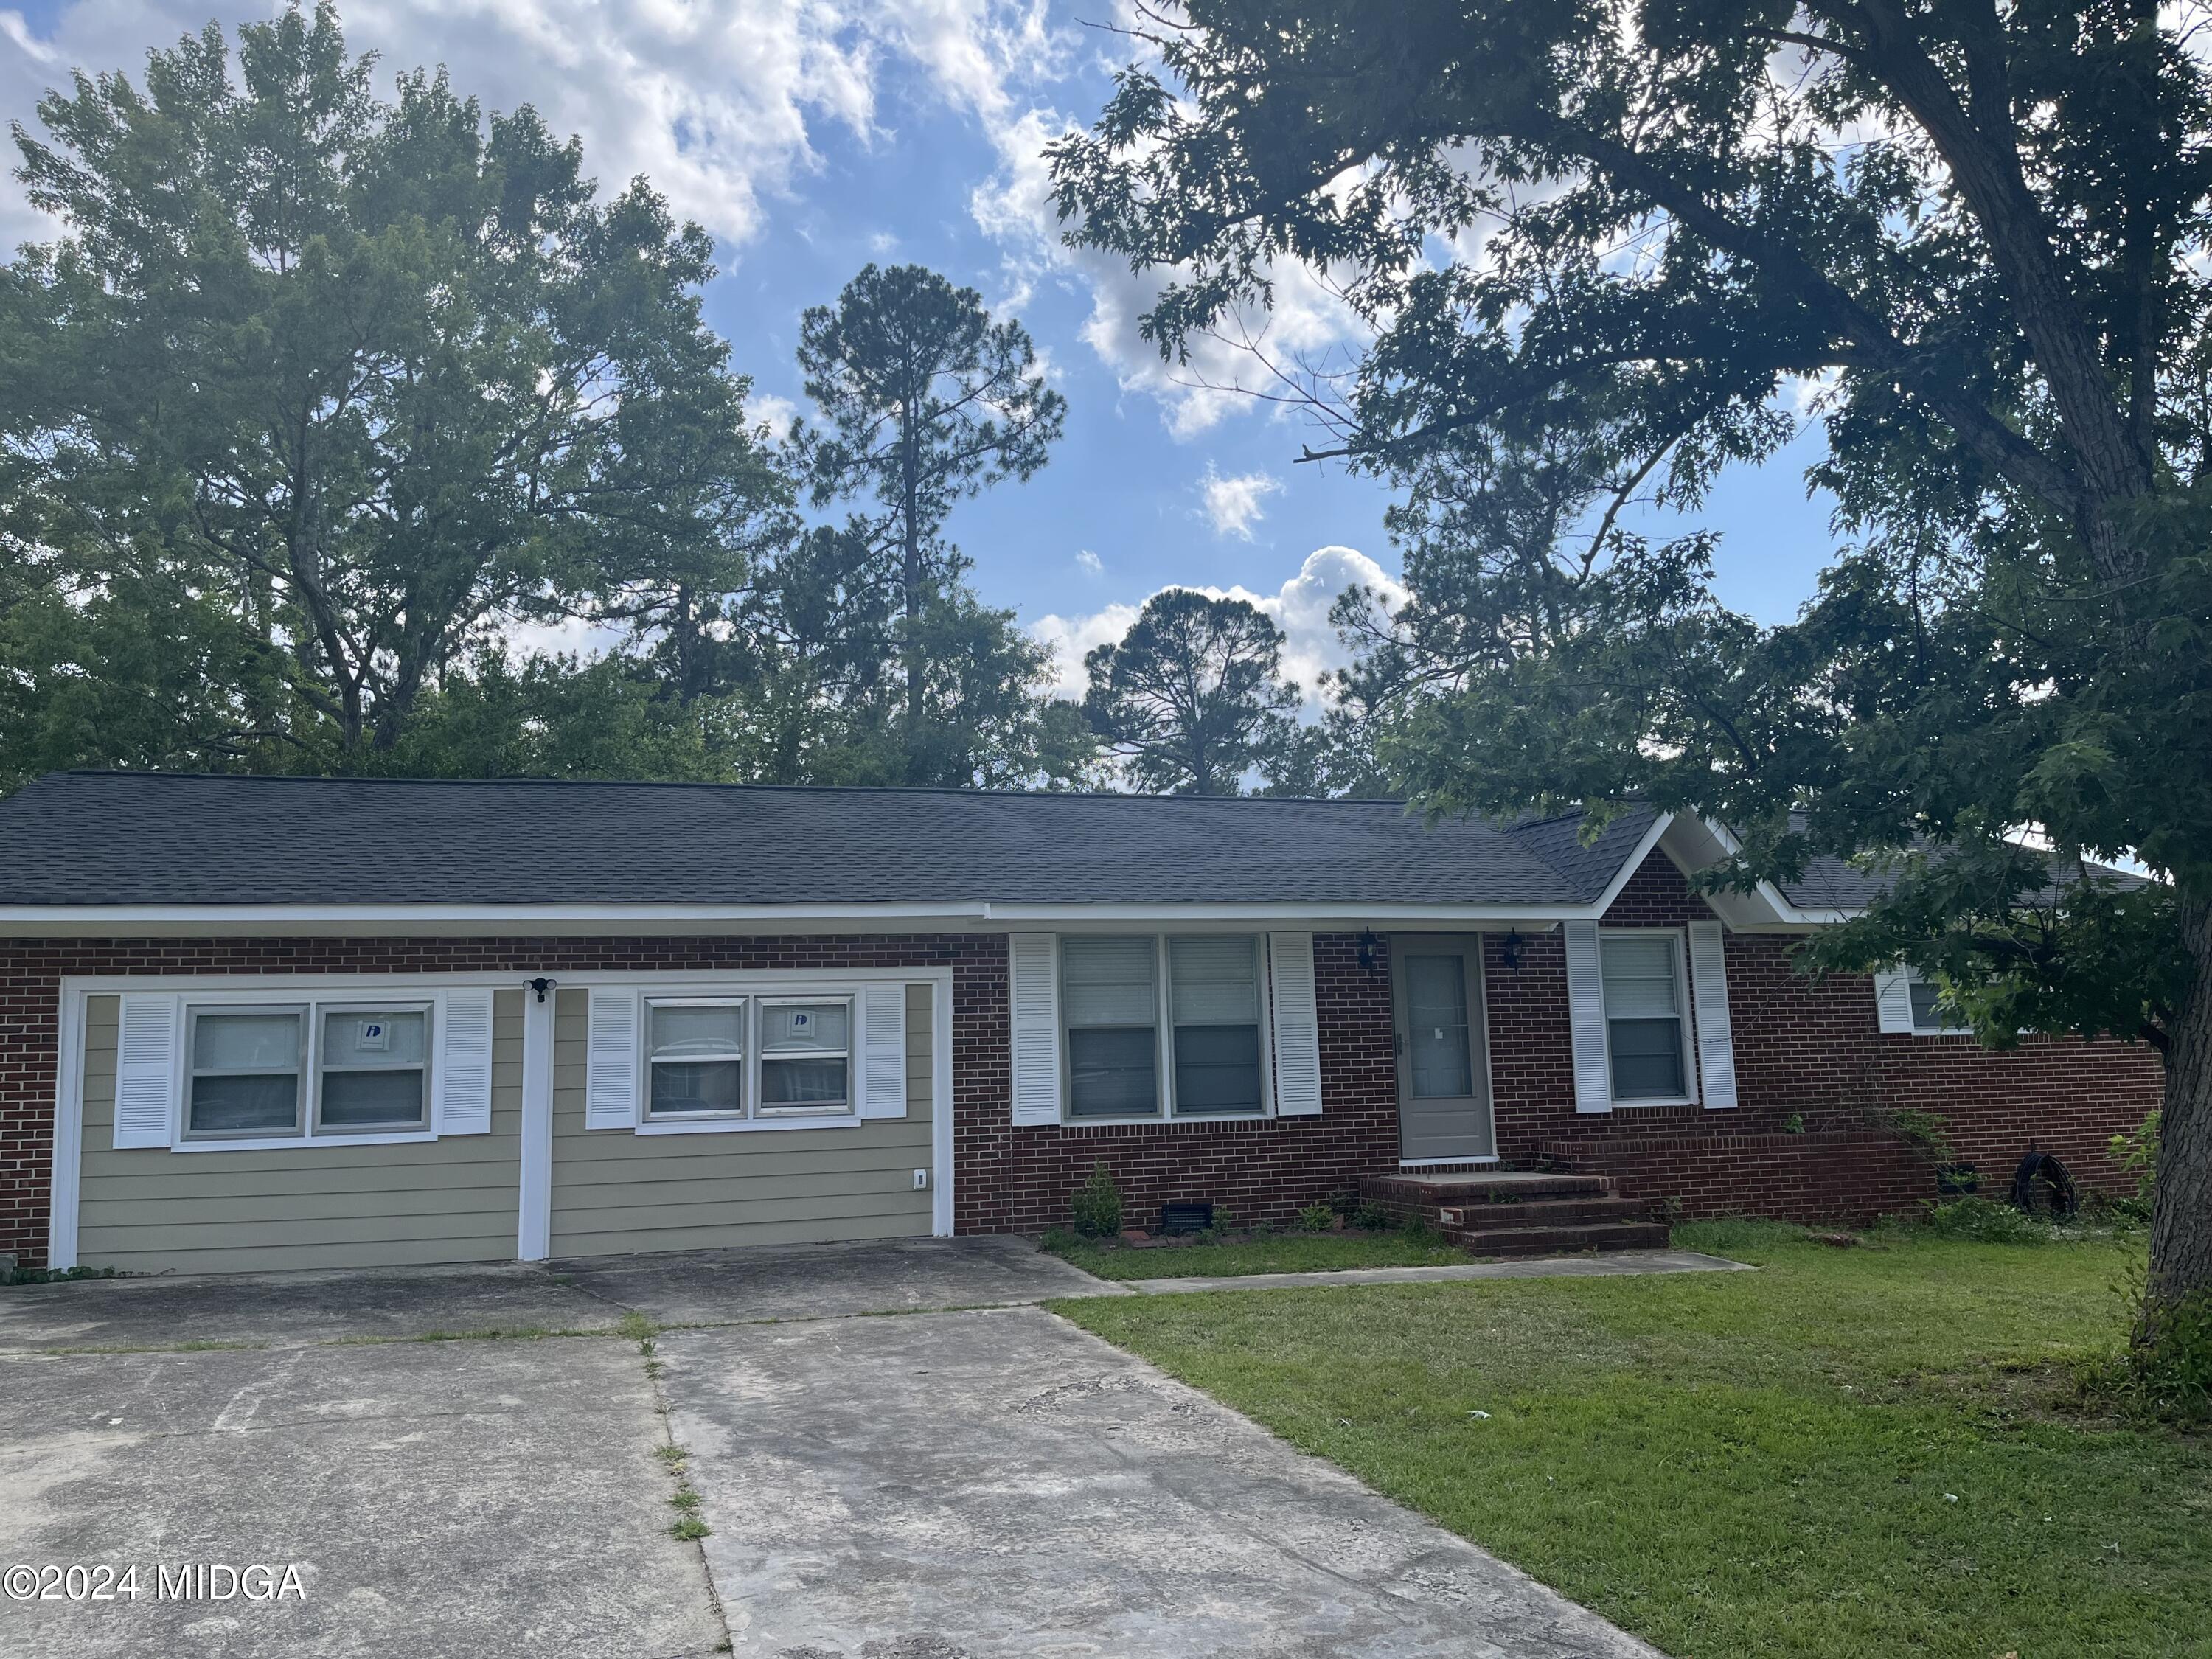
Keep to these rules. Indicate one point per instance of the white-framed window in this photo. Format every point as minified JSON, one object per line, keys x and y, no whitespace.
{"x":694,"y":1058}
{"x":310,"y":1070}
{"x":805,"y":1056}
{"x":1155,"y":1025}
{"x":1931,"y":1015}
{"x":1647,"y":1017}
{"x":745,"y":1058}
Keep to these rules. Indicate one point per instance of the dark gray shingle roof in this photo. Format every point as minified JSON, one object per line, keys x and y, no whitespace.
{"x":82,"y":838}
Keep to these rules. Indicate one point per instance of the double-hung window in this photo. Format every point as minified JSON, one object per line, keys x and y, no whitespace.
{"x":306,"y":1069}
{"x":1646,"y":1017}
{"x":1931,"y":1015}
{"x":1120,"y":993}
{"x":695,"y":1055}
{"x":805,"y":1055}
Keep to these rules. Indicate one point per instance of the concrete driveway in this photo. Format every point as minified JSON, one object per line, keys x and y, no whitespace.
{"x":979,"y":1478}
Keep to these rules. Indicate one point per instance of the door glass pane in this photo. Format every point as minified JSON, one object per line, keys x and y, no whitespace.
{"x":246,"y":1043}
{"x":718,"y":1030}
{"x":268,"y":1103}
{"x":381,"y":1099}
{"x":683,"y":1086}
{"x":1216,"y":1069}
{"x":1437,"y":1038}
{"x":1112,"y":1073}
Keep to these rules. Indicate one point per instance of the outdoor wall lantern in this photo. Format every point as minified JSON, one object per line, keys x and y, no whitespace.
{"x":1508,"y":953}
{"x":1367,"y":944}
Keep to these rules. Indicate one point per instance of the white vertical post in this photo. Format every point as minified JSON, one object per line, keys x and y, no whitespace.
{"x":534,"y":1233}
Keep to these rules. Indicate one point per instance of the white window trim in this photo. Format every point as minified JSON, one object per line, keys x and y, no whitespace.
{"x":312,"y":1001}
{"x":1164,"y":1038}
{"x":1914,"y":976}
{"x":764,"y":1112}
{"x":757,"y":992}
{"x":743,"y":1057}
{"x":1682,"y":1018}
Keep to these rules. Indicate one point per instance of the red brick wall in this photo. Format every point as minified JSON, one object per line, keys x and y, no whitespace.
{"x":1805,"y":1048}
{"x":1021,"y":1179}
{"x":1801,"y":1047}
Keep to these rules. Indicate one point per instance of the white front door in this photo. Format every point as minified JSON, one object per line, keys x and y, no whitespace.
{"x":1443,"y":1050}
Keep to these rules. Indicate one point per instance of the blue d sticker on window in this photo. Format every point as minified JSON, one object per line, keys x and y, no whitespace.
{"x":374,"y":1034}
{"x":801,"y":1021}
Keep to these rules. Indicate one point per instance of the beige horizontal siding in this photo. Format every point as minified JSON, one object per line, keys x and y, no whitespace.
{"x":616,"y":1192}
{"x":152,"y":1210}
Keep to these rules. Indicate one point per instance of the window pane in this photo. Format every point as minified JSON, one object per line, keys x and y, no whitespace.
{"x":1214,"y":982}
{"x":1639,"y":977}
{"x":246,"y":1043}
{"x":267,"y":1104}
{"x":1109,"y":981}
{"x":1647,"y":1059}
{"x":373,"y":1099}
{"x":698,"y":1031}
{"x":1442,"y":1055}
{"x":1216,"y":1069}
{"x":1113,"y":1073}
{"x":817,"y":1025}
{"x":802,"y":1082}
{"x":399,"y":1037}
{"x":695,"y":1086}
{"x":1929,"y":1012}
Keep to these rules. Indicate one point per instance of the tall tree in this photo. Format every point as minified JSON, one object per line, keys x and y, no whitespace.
{"x":1193,"y":696}
{"x":924,"y":401}
{"x":1980,"y":230}
{"x":370,"y":380}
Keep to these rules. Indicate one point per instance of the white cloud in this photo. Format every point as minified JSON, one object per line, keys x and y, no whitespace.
{"x":713,"y":103}
{"x":1090,"y":563}
{"x":1232,"y":505}
{"x":776,"y":413}
{"x":1300,"y":608}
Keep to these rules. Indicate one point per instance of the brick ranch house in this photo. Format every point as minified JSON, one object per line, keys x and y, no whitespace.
{"x":254,"y":1024}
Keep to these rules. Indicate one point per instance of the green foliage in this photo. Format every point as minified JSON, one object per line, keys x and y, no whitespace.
{"x":1375,"y":1217}
{"x":2170,"y":1363}
{"x":1927,"y":1133}
{"x":52,"y":1275}
{"x":925,"y":400}
{"x":1985,"y":1221}
{"x":2137,"y":1155}
{"x":1193,"y":696}
{"x":1317,"y":1218}
{"x":319,"y":390}
{"x":1096,"y":1209}
{"x":2005,"y":312}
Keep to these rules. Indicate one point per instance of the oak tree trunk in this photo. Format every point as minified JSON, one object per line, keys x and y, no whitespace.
{"x":2181,"y":1222}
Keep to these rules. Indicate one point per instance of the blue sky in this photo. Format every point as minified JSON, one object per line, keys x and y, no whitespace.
{"x":810,"y":141}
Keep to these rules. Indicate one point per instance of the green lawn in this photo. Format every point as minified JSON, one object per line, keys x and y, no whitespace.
{"x":1276,"y":1252}
{"x":1851,"y":1453}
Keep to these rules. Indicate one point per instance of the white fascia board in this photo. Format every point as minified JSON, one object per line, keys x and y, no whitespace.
{"x":570,"y":921}
{"x":1787,"y":914}
{"x":1629,"y":866}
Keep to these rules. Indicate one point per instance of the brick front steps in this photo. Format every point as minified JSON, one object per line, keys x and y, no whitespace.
{"x":1508,"y":1213}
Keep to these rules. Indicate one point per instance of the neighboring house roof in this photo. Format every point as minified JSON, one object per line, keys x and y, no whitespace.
{"x":170,"y":839}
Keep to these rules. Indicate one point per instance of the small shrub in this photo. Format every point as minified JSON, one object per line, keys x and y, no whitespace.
{"x":1376,"y":1217}
{"x":1097,"y":1205}
{"x":1419,"y":1230}
{"x":1982,"y":1221}
{"x":1059,"y":1241}
{"x":52,"y":1275}
{"x":1317,"y":1218}
{"x":1926,"y":1133}
{"x":2137,"y":1155}
{"x":1794,"y":1124}
{"x":2171,"y":1357}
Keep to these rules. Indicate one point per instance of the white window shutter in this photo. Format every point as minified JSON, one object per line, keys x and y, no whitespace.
{"x":1033,"y":968}
{"x":464,"y":1068}
{"x":1298,"y":1024}
{"x":146,"y":1071}
{"x":883,"y":1051}
{"x":1708,"y":998}
{"x":1892,"y":1002}
{"x":610,"y":1057}
{"x":1586,"y":1018}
